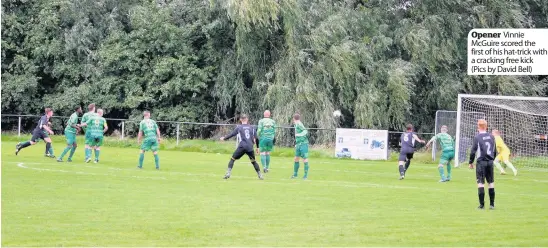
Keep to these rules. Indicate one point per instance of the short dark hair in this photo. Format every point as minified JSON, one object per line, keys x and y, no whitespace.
{"x":91,"y":106}
{"x":297,"y":116}
{"x":78,"y":107}
{"x":409,"y":127}
{"x":243,"y":116}
{"x":47,"y":110}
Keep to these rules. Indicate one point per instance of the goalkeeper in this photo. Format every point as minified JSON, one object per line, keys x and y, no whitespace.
{"x":448,"y":152}
{"x":504,"y":154}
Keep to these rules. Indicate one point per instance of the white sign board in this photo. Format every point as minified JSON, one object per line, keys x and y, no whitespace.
{"x":361,"y":144}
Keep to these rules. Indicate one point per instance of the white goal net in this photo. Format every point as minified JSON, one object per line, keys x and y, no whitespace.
{"x":449,"y":119}
{"x":522,"y":121}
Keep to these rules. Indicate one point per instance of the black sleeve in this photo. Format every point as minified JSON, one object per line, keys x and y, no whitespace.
{"x":257,"y":142}
{"x":233,"y":133}
{"x":274,"y":141}
{"x":473,"y":151}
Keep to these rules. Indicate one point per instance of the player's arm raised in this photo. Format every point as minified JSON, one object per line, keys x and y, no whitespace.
{"x":473,"y":153}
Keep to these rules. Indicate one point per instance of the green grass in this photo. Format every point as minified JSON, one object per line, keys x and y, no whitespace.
{"x":344,"y":203}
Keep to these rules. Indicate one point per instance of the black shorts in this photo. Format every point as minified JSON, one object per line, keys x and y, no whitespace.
{"x":484,"y":172}
{"x":405,"y":156}
{"x":240,"y":151}
{"x":37,"y":135}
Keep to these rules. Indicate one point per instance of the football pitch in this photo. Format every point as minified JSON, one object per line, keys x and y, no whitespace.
{"x":187,"y":203}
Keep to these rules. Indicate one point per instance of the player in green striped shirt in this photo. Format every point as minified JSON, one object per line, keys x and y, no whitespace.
{"x":301,"y":147}
{"x":150,"y":130}
{"x":70,"y":134}
{"x":447,"y":144}
{"x":85,"y":118}
{"x":96,"y":127}
{"x":266,"y":132}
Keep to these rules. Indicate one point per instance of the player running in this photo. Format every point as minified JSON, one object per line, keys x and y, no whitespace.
{"x":151,"y":142}
{"x":448,"y":152}
{"x":301,"y":147}
{"x":246,"y":135}
{"x":503,"y":154}
{"x":40,"y":132}
{"x":85,"y":118}
{"x":484,"y":144}
{"x":96,"y":127}
{"x":407,"y":141}
{"x":70,"y":135}
{"x":266,"y":133}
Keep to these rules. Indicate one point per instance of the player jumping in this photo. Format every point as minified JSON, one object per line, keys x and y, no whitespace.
{"x":70,"y":134}
{"x":484,"y":143}
{"x":407,"y":141}
{"x":151,"y":142}
{"x":448,"y":152}
{"x":301,"y":147}
{"x":503,"y":154}
{"x":40,"y":132}
{"x":266,"y":133}
{"x":85,"y":118}
{"x":246,"y":134}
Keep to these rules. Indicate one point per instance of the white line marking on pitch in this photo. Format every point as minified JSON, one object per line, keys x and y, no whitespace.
{"x":21,"y":165}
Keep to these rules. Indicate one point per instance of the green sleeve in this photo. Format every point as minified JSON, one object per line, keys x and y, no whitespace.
{"x":260,"y":128}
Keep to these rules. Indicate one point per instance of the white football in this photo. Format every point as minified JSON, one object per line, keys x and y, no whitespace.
{"x":337,"y":113}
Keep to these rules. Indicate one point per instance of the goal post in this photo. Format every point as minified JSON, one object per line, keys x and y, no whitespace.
{"x":522,"y":121}
{"x":449,"y":118}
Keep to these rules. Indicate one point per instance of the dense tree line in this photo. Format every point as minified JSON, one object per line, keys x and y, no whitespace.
{"x":383,"y":63}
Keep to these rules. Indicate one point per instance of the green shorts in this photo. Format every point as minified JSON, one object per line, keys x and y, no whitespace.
{"x":447,"y":156}
{"x":71,"y":138}
{"x":95,"y":141}
{"x":87,"y":139}
{"x":301,"y":150}
{"x":149,"y":145}
{"x":266,"y":144}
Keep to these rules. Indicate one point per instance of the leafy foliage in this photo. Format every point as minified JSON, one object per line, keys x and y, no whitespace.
{"x":383,"y":63}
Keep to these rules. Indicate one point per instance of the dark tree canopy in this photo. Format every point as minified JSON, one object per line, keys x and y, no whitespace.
{"x":383,"y":63}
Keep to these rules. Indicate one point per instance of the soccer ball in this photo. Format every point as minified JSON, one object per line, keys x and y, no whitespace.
{"x":337,"y":113}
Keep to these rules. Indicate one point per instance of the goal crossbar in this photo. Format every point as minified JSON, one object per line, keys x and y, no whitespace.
{"x":538,"y":103}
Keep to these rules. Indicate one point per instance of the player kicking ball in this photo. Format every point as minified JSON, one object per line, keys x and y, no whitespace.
{"x":40,"y":132}
{"x":246,"y":134}
{"x":448,"y":152}
{"x":266,"y":133}
{"x":97,"y":126}
{"x":407,"y":141}
{"x":484,"y":144}
{"x":150,"y":130}
{"x":70,"y":135}
{"x":301,"y":147}
{"x":503,"y":154}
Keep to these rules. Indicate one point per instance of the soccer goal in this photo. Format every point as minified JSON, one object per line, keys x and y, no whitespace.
{"x":523,"y":122}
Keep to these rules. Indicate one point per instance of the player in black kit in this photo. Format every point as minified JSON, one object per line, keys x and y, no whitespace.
{"x":40,"y":132}
{"x":484,"y":145}
{"x":407,"y":141}
{"x":246,"y":134}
